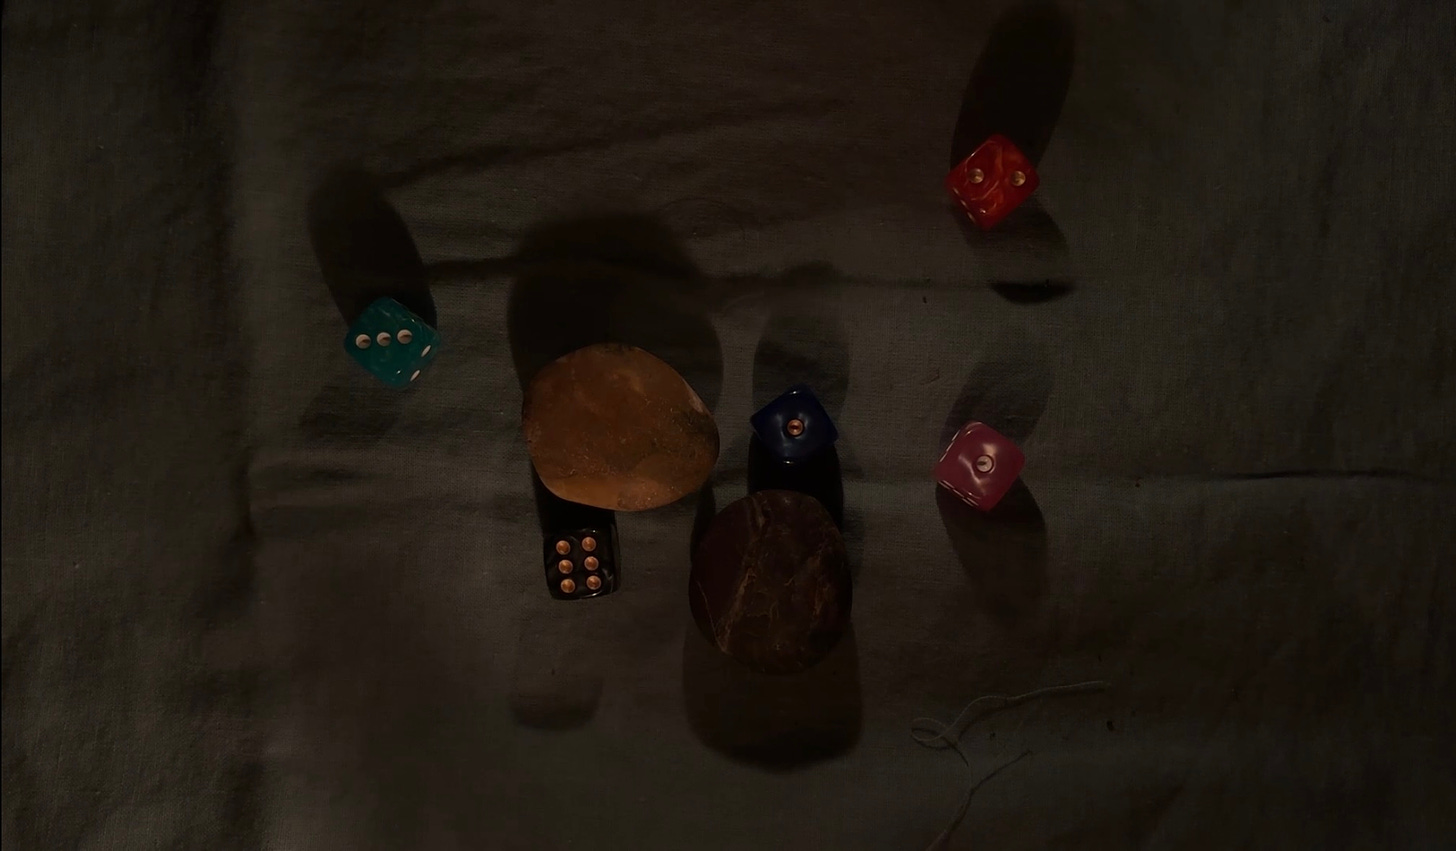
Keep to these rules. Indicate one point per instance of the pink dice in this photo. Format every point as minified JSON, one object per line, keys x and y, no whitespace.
{"x":979,"y":465}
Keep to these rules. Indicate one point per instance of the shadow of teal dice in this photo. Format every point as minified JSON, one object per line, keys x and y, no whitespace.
{"x":392,"y":343}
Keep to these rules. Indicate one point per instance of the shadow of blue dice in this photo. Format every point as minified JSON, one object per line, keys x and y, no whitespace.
{"x":794,"y":426}
{"x":391,"y":342}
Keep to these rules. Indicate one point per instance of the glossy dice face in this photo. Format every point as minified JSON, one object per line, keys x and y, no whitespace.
{"x":979,"y":466}
{"x":391,"y":342}
{"x":794,"y":426}
{"x":581,"y":563}
{"x":992,"y":181}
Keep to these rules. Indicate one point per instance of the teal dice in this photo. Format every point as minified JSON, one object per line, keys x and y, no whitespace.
{"x":390,"y":341}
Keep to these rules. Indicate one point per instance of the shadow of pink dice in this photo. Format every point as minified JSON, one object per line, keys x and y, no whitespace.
{"x":979,"y":465}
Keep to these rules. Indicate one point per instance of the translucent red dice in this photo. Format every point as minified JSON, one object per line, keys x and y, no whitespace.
{"x":994,"y":180}
{"x":979,"y":466}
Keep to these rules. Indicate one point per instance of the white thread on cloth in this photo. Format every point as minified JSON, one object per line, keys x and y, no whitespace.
{"x":931,"y":733}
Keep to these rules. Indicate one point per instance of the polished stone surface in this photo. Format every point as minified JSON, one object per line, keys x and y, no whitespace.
{"x":615,"y":427}
{"x":770,"y":583}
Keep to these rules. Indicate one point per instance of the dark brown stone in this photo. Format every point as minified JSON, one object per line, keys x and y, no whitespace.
{"x":614,"y":427}
{"x":770,"y":583}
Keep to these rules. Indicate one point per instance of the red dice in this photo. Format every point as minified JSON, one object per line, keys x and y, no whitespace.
{"x":992,"y":181}
{"x":979,"y":465}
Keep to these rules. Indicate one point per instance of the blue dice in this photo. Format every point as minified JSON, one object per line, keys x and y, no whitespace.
{"x":391,"y":342}
{"x":794,"y":426}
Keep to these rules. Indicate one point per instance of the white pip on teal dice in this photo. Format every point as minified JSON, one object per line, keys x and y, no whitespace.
{"x":392,"y":342}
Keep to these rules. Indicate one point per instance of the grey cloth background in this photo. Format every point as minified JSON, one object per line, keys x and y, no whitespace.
{"x":254,"y":600}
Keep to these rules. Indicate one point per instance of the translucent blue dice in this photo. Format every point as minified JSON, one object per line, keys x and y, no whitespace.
{"x":392,"y":343}
{"x":794,"y":426}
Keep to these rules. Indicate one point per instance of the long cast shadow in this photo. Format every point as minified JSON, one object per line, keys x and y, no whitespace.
{"x":777,"y":723}
{"x":781,"y":723}
{"x":802,"y":342}
{"x":1008,"y":393}
{"x":801,"y":345}
{"x":1020,"y":81}
{"x":1004,"y":551}
{"x":1017,"y":89}
{"x":364,"y":252}
{"x":619,"y":279}
{"x":364,"y":249}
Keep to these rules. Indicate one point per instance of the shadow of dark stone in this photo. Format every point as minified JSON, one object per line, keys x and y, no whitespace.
{"x":777,"y":723}
{"x":852,"y":526}
{"x":781,"y":723}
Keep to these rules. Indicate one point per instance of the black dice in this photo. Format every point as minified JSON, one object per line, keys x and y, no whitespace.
{"x":581,"y":563}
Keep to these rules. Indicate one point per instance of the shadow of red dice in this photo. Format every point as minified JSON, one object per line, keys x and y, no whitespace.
{"x":992,"y":181}
{"x":979,"y":466}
